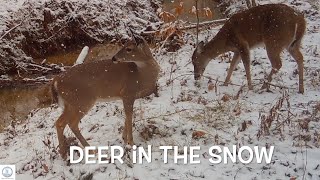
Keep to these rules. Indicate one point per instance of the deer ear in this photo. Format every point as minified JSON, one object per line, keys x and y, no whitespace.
{"x":139,"y":39}
{"x":200,"y":47}
{"x":132,"y":35}
{"x":134,"y":40}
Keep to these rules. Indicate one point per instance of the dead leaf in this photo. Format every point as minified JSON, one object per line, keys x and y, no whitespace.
{"x":207,"y":13}
{"x":179,"y":9}
{"x":45,"y":167}
{"x":211,"y":86}
{"x":225,"y":98}
{"x":244,"y":126}
{"x":198,"y":134}
{"x":167,"y":17}
{"x":237,"y":111}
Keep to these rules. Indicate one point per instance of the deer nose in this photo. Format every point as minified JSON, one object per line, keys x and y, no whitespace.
{"x":197,"y":76}
{"x":114,"y":60}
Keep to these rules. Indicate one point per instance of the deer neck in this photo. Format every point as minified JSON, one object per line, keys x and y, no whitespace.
{"x":148,"y":63}
{"x":216,"y":46}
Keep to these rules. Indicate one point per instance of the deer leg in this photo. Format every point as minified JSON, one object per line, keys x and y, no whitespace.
{"x":60,"y":126}
{"x":124,"y":132}
{"x":245,"y":56}
{"x":275,"y":60}
{"x":234,"y":62}
{"x":297,"y":55}
{"x":128,"y":109}
{"x":74,"y":126}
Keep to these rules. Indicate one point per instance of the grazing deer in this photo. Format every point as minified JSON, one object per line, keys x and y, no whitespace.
{"x":277,"y":26}
{"x":131,"y":74}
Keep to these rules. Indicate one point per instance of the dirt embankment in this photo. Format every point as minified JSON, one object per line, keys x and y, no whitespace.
{"x":57,"y":31}
{"x":43,"y":28}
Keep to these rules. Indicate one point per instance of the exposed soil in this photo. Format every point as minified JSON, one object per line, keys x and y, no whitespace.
{"x":41,"y":29}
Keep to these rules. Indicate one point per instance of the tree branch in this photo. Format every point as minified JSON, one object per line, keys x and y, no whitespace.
{"x":6,"y":33}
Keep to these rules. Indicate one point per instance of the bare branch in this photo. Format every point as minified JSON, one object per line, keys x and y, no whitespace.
{"x":6,"y":33}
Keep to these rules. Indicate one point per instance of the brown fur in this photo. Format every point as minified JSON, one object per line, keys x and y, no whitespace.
{"x":81,"y":86}
{"x":277,"y":26}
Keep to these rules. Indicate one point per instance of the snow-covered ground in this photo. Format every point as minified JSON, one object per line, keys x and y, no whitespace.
{"x":225,"y":116}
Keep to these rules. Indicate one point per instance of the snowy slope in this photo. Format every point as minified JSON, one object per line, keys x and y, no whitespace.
{"x":183,"y":109}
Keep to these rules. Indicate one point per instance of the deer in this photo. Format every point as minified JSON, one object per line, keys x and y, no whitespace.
{"x":276,"y":26}
{"x":131,"y":74}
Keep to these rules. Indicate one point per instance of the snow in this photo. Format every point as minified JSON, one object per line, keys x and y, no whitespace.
{"x":7,"y":6}
{"x":184,"y":108}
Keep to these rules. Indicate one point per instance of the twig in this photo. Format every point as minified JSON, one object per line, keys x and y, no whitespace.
{"x":279,"y":125}
{"x":171,"y":72}
{"x":10,"y":30}
{"x":239,"y":92}
{"x":171,"y":80}
{"x":53,"y":35}
{"x":6,"y":33}
{"x":235,"y":176}
{"x":165,"y":41}
{"x":305,"y":165}
{"x":41,"y":67}
{"x":217,"y":22}
{"x":208,"y":77}
{"x":279,"y":86}
{"x":197,"y":14}
{"x":162,"y":115}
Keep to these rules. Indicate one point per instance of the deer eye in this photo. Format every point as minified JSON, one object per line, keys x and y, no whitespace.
{"x":128,"y":49}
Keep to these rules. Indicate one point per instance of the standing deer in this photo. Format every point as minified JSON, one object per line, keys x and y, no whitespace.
{"x":277,"y":26}
{"x":131,"y":74}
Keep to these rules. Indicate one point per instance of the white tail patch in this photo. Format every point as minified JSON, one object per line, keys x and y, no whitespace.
{"x":295,"y":31}
{"x":294,"y":37}
{"x":82,"y":56}
{"x":140,"y":64}
{"x":55,"y":85}
{"x":60,"y":100}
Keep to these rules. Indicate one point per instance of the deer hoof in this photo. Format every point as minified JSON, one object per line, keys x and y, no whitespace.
{"x":63,"y":154}
{"x":264,"y":86}
{"x":225,"y":84}
{"x":130,"y":142}
{"x":124,"y":136}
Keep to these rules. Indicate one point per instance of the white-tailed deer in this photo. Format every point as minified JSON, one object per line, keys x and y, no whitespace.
{"x":277,"y":26}
{"x":131,"y":74}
